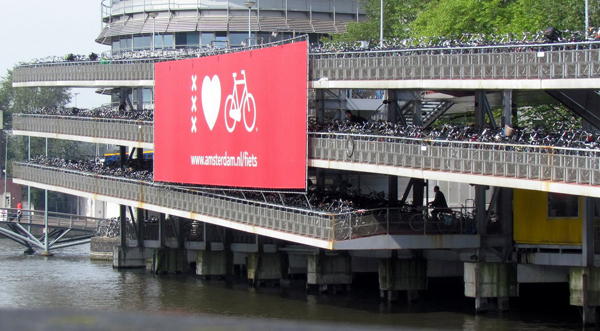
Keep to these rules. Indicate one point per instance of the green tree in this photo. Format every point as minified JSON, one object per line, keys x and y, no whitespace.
{"x":397,"y":17}
{"x":454,"y":17}
{"x":23,"y":99}
{"x":446,"y":18}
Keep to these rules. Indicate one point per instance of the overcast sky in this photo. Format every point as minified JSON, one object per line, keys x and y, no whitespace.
{"x":31,"y":29}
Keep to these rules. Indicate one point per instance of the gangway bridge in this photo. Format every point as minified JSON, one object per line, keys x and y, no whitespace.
{"x":29,"y":227}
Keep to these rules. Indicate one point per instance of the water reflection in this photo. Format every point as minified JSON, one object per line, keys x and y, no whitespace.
{"x":69,"y":280}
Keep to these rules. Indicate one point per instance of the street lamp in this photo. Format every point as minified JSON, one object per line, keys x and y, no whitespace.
{"x":249,"y":4}
{"x":153,"y":15}
{"x":76,"y":94}
{"x":381,"y":23}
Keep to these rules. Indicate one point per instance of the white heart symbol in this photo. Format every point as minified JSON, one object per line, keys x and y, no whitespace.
{"x":211,"y":99}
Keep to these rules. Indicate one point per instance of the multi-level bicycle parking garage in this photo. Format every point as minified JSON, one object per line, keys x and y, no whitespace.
{"x":566,"y":73}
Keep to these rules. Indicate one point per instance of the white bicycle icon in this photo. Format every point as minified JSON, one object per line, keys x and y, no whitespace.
{"x":236,"y":108}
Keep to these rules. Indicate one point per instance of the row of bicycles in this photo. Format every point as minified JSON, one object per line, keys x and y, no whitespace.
{"x":407,"y":220}
{"x":108,"y":112}
{"x":467,"y":41}
{"x":559,"y":136}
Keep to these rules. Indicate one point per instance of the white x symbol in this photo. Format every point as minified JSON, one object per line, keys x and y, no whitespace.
{"x":194,"y":77}
{"x":193,"y":124}
{"x":194,"y":98}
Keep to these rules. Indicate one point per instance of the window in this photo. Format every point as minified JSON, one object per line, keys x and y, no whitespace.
{"x":143,"y":42}
{"x":236,"y":38}
{"x":563,"y":205}
{"x":187,"y":39}
{"x":207,"y":38}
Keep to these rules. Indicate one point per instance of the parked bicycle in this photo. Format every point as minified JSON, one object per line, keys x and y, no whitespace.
{"x":445,"y":222}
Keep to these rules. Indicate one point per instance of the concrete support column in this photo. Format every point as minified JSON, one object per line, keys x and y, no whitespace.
{"x":417,"y":114}
{"x":490,"y":281}
{"x":169,"y":260}
{"x":392,"y":115}
{"x":162,"y":230}
{"x":214,"y":263}
{"x":418,"y":189}
{"x":267,"y":267}
{"x":587,"y":238}
{"x":123,"y":225}
{"x":584,"y":284}
{"x":129,"y":257}
{"x":393,"y":190}
{"x":216,"y":260}
{"x":328,"y":271}
{"x":480,"y":202}
{"x":320,"y":105}
{"x":505,"y":205}
{"x":122,"y":156}
{"x":140,"y":99}
{"x":507,"y":101}
{"x":140,"y":226}
{"x":408,"y":275}
{"x":480,"y":108}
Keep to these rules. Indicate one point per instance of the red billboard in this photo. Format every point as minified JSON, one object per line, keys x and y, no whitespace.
{"x":235,"y":119}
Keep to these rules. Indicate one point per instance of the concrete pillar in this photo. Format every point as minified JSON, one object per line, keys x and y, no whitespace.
{"x":418,"y":189}
{"x":402,"y":275}
{"x":392,"y":115}
{"x":417,"y":115}
{"x":122,"y":156}
{"x":140,"y":226}
{"x":169,"y":260}
{"x":479,"y":108}
{"x":129,"y":257}
{"x":267,"y":267}
{"x":140,"y":99}
{"x":214,"y":263}
{"x":584,"y":285}
{"x":328,"y":271}
{"x":507,"y":100}
{"x":587,"y":238}
{"x":162,"y":230}
{"x":480,"y":206}
{"x":488,"y":281}
{"x":320,"y":105}
{"x":123,"y":225}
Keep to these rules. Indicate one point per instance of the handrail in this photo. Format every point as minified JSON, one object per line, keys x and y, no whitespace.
{"x":310,"y":223}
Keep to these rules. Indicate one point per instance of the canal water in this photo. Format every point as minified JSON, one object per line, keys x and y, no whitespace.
{"x":70,"y":280}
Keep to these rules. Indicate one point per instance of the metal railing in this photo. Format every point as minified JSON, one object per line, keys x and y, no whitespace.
{"x":55,"y":219}
{"x":503,"y":64}
{"x":579,"y":166}
{"x":539,"y":61}
{"x":308,"y":223}
{"x":119,"y":129}
{"x":120,"y":70}
{"x":293,"y":220}
{"x":559,"y":164}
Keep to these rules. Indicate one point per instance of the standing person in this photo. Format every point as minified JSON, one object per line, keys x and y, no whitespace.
{"x":439,"y":203}
{"x":354,"y":118}
{"x":19,"y":211}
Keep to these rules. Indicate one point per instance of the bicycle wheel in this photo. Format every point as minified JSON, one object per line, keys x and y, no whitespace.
{"x":229,"y":104}
{"x":447,"y":223}
{"x":249,"y":112}
{"x":417,"y":222}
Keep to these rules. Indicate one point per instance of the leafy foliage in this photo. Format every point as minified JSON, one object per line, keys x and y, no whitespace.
{"x":413,"y":18}
{"x":22,"y":99}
